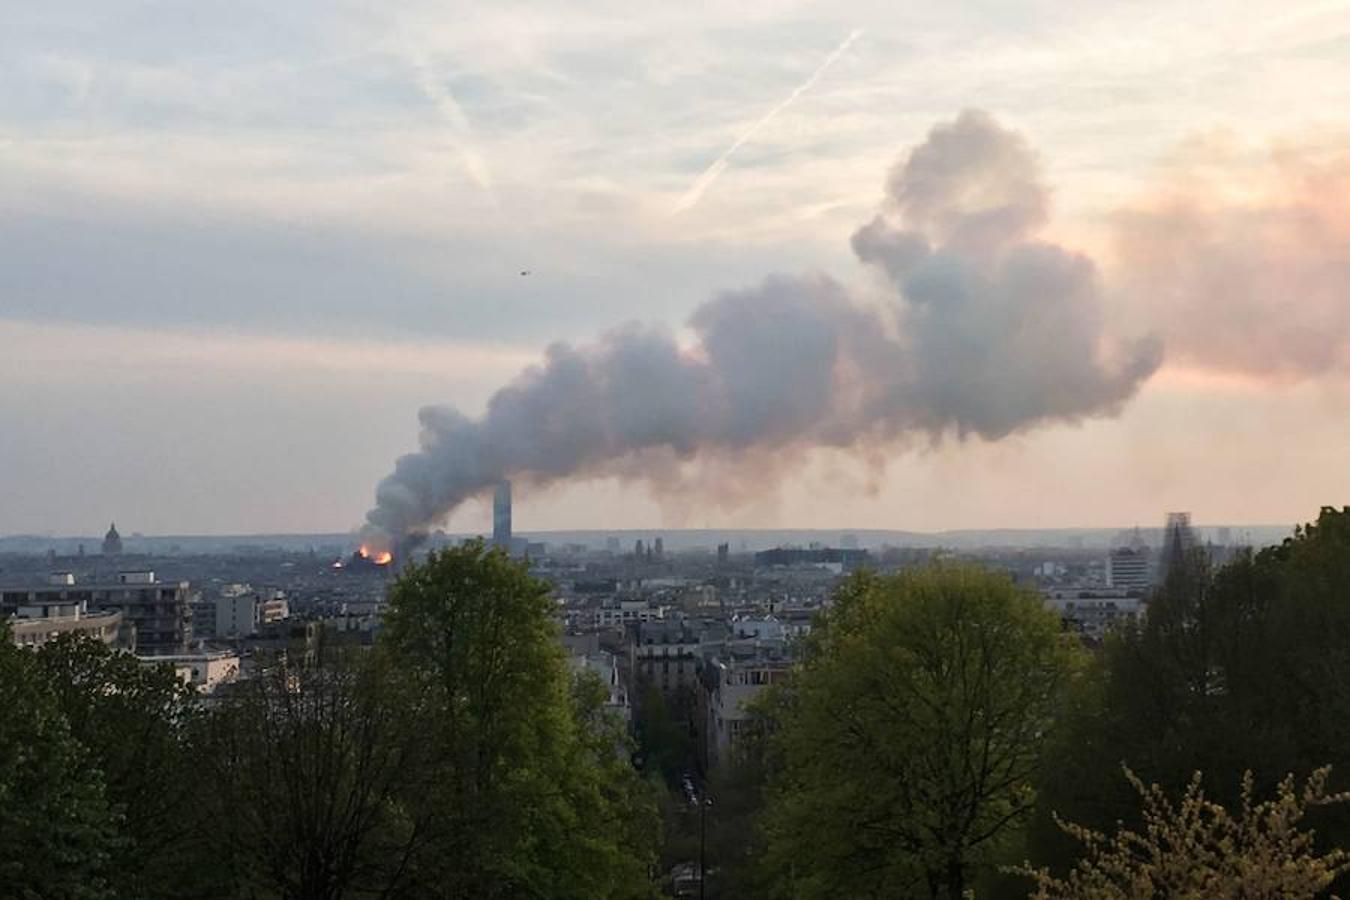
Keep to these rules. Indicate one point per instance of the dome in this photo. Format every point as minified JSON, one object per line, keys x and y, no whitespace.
{"x":112,"y":541}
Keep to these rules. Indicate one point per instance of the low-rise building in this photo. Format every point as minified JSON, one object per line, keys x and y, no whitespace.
{"x":666,"y":653}
{"x":1094,"y":611}
{"x":241,"y":611}
{"x":603,"y":664}
{"x":204,"y":671}
{"x":735,"y":679}
{"x":155,"y":615}
{"x":621,"y":612}
{"x":37,"y":617}
{"x":836,"y":560}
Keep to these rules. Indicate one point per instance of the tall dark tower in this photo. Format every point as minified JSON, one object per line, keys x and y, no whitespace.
{"x":501,"y":515}
{"x":1178,"y":541}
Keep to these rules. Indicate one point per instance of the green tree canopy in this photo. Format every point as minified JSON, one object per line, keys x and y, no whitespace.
{"x":1246,"y":668}
{"x":131,"y":720}
{"x":526,"y":799}
{"x":58,"y":834}
{"x":308,"y":770}
{"x":907,"y":743}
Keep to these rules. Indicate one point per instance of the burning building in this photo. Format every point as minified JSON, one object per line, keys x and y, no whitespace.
{"x":365,"y":560}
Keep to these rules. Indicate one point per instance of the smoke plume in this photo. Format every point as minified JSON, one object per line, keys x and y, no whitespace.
{"x":1243,"y":260}
{"x":984,"y":330}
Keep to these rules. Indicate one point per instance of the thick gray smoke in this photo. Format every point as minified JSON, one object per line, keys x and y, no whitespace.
{"x":985,"y":330}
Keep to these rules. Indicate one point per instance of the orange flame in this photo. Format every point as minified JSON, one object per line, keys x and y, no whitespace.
{"x":382,"y":558}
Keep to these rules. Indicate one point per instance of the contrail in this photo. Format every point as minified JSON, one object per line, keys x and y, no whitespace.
{"x":695,"y":192}
{"x":436,"y":91}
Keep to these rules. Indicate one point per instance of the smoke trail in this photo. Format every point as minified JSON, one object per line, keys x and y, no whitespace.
{"x":987,"y":331}
{"x":710,"y":174}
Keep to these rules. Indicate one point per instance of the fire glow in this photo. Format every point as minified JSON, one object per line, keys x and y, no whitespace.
{"x":383,"y":558}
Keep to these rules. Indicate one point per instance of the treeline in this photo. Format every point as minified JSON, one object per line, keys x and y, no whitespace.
{"x":942,"y":736}
{"x":457,"y":758}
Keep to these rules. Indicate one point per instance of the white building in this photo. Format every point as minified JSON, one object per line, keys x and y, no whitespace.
{"x":204,"y":671}
{"x":738,"y":682}
{"x":240,"y":610}
{"x":765,"y":628}
{"x":602,"y":663}
{"x":1128,"y":568}
{"x":1095,"y":611}
{"x":616,"y":614}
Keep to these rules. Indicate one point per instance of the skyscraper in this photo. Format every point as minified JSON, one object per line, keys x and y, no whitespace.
{"x":501,"y":515}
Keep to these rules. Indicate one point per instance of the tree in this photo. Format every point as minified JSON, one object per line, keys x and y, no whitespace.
{"x":618,"y":805}
{"x":131,"y":720}
{"x":58,"y":836}
{"x":734,"y":845}
{"x":525,"y":800}
{"x":1243,"y":669}
{"x":307,"y":773}
{"x":1198,"y":849}
{"x":907,"y":743}
{"x":663,"y":733}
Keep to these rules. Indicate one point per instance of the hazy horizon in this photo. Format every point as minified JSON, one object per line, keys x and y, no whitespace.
{"x":353,"y":534}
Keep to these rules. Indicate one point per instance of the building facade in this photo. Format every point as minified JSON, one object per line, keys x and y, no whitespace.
{"x":156,"y":616}
{"x":1094,"y":612}
{"x":204,"y":671}
{"x":735,"y":682}
{"x":1129,"y":569}
{"x":665,"y":653}
{"x":36,"y":617}
{"x":241,"y":611}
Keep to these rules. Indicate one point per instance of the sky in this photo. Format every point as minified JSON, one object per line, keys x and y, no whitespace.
{"x":243,"y":243}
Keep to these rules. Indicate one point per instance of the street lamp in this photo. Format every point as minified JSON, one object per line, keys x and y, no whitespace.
{"x":703,"y":807}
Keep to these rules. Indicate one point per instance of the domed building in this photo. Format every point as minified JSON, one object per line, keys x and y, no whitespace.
{"x":112,"y":541}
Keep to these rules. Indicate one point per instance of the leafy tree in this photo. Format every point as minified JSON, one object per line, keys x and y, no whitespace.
{"x":58,"y":836}
{"x":524,"y":801}
{"x":307,"y":771}
{"x":663,"y":736}
{"x":618,"y":805}
{"x":734,"y":845}
{"x":130,"y":719}
{"x":1246,"y":668}
{"x":1197,"y":848}
{"x":907,"y":743}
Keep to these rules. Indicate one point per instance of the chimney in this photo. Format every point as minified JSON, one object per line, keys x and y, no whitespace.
{"x":501,"y":515}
